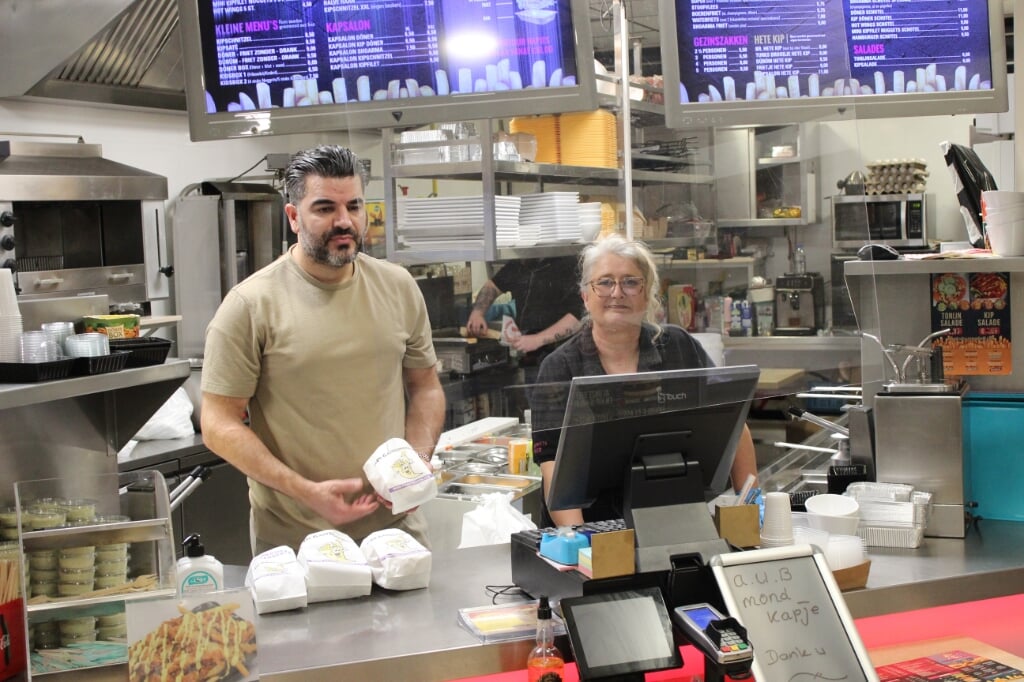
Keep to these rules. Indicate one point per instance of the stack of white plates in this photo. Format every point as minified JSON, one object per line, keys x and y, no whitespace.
{"x":444,"y":222}
{"x":557,"y":213}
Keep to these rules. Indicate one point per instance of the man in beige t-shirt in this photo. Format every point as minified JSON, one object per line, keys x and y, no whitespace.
{"x":329,"y":353}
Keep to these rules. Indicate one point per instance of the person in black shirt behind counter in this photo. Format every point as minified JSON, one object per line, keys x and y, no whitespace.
{"x":619,"y":335}
{"x":547,"y":301}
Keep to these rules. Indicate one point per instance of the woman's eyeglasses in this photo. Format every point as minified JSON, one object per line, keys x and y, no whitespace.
{"x":604,"y":287}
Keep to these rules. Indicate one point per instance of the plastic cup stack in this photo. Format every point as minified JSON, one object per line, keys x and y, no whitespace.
{"x":58,"y":332}
{"x":36,"y":346}
{"x":777,"y":528}
{"x":1004,"y":221}
{"x":844,"y":551}
{"x":91,"y":344}
{"x":10,"y":319}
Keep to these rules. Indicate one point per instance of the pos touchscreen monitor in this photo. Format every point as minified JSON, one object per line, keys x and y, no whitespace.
{"x":658,"y":443}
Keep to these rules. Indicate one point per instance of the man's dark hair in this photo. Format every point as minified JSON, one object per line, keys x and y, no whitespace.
{"x":326,"y":161}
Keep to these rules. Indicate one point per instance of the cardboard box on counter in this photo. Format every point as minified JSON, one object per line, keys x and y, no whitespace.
{"x":739,"y":525}
{"x":610,"y":554}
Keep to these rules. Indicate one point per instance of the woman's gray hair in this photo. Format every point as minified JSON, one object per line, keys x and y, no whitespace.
{"x":617,"y":245}
{"x":325,"y":161}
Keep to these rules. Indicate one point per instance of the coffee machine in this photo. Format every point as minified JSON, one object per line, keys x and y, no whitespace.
{"x":799,"y":304}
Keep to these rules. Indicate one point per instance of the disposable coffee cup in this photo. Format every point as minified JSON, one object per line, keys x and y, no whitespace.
{"x":777,"y":527}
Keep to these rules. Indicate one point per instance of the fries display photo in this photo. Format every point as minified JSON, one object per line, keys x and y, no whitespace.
{"x":193,"y":640}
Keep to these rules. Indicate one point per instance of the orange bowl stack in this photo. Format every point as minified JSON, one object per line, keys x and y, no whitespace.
{"x":545,"y":129}
{"x":588,"y":139}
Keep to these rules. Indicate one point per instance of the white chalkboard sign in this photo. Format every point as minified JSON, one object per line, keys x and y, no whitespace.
{"x":795,"y":615}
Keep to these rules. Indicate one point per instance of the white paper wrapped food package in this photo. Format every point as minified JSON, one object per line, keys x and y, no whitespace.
{"x":400,"y":476}
{"x":398,"y":560}
{"x":334,"y":566}
{"x":277,"y":581}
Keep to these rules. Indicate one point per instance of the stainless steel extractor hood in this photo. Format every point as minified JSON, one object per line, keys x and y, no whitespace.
{"x":125,"y":52}
{"x":49,"y":171}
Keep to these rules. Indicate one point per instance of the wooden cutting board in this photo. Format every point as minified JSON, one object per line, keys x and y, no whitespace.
{"x":772,"y":379}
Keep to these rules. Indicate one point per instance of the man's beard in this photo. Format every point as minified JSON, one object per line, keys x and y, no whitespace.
{"x":319,"y":250}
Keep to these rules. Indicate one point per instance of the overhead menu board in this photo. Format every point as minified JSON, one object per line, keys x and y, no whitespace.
{"x":349,"y":61}
{"x":794,"y":613}
{"x":814,"y":50}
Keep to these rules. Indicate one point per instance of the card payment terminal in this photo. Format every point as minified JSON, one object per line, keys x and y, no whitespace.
{"x":719,"y":637}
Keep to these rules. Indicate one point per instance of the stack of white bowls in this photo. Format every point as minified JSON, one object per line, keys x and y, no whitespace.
{"x":590,"y":220}
{"x":1004,"y":221}
{"x":837,"y":514}
{"x":88,"y":345}
{"x":10,"y":319}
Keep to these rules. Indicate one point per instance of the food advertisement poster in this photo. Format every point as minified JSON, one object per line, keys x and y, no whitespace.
{"x":207,"y":637}
{"x":975,"y":307}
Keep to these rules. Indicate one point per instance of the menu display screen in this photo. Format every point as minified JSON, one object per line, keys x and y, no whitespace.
{"x":384,"y":55}
{"x":812,"y":50}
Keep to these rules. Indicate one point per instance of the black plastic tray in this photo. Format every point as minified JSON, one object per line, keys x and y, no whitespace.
{"x":100,"y":364}
{"x":144,"y":351}
{"x":29,"y":372}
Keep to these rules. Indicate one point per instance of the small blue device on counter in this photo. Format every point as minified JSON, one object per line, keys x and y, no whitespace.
{"x":563,"y":547}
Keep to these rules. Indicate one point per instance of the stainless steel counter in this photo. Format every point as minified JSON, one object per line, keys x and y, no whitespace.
{"x":414,"y":635}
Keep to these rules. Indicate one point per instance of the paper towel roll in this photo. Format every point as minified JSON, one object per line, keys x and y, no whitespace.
{"x":713,"y":346}
{"x":8,"y":297}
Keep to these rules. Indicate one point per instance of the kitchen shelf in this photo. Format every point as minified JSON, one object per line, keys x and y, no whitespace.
{"x":127,"y":531}
{"x":767,"y":162}
{"x":665,"y":176}
{"x":753,"y":182}
{"x":761,"y":222}
{"x":142,"y":496}
{"x":77,"y":605}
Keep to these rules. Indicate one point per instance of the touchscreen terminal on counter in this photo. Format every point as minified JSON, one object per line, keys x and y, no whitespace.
{"x":621,"y":633}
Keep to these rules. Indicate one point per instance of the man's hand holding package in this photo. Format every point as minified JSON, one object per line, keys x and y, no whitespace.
{"x":476,"y":325}
{"x":334,"y":501}
{"x":527,"y":343}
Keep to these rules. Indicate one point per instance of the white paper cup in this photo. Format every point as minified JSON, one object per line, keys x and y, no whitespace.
{"x":777,"y":528}
{"x":1006,"y":238}
{"x":1001,"y":198}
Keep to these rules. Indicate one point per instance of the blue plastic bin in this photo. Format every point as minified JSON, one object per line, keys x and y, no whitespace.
{"x":993,"y":439}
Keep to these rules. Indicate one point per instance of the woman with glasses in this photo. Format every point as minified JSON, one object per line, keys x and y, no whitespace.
{"x":619,"y":334}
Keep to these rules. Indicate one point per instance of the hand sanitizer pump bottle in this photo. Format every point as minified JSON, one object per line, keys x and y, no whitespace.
{"x":197,"y":571}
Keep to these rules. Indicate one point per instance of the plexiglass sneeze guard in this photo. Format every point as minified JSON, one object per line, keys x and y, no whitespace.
{"x":82,"y":525}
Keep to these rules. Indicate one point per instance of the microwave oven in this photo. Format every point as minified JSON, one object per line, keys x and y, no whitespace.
{"x":899,"y":220}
